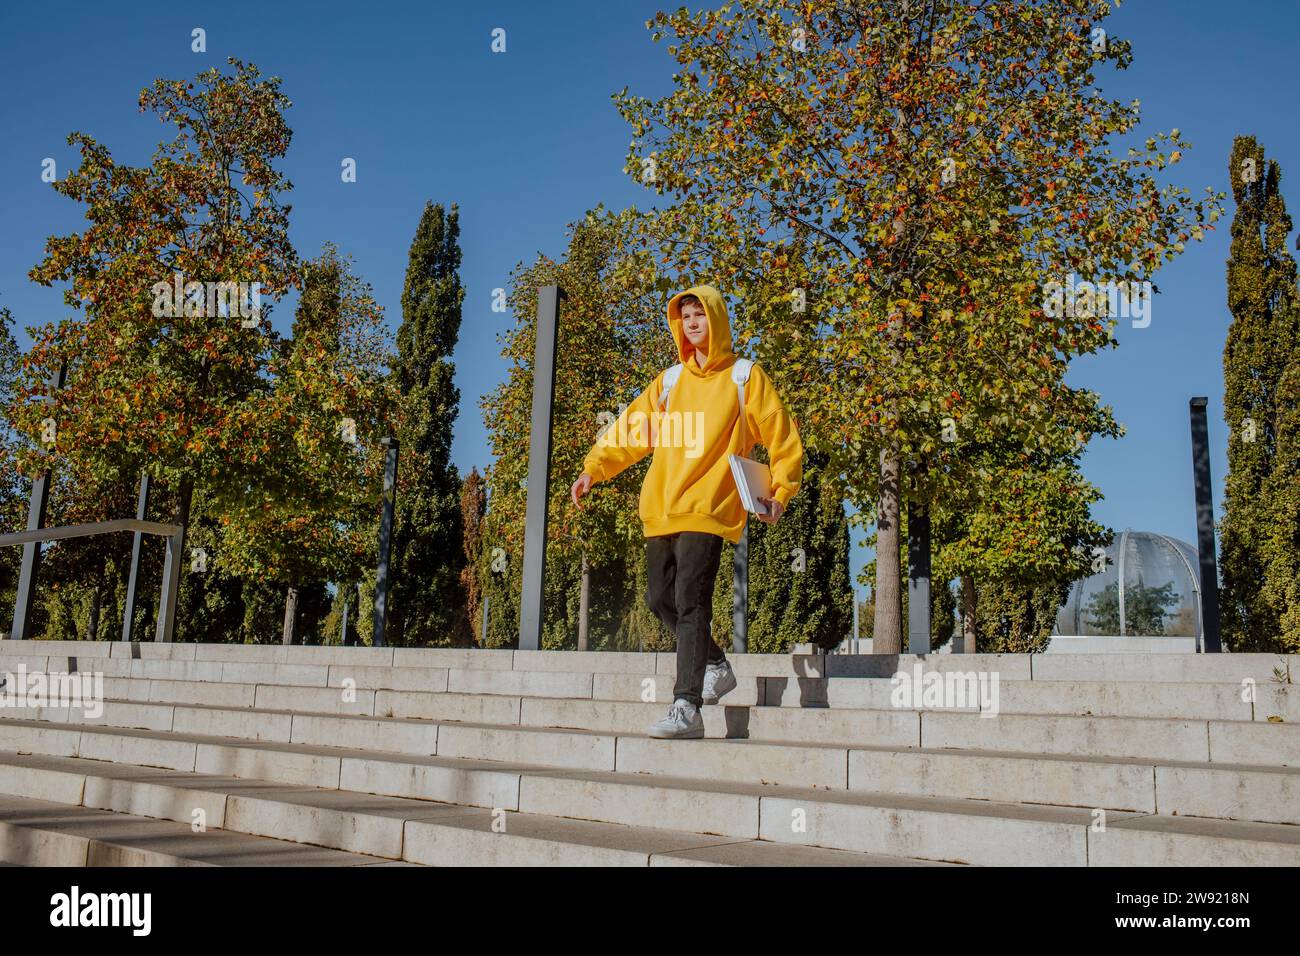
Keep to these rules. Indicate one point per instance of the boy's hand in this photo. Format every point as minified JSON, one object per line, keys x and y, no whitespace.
{"x":774,"y":510}
{"x":580,"y":488}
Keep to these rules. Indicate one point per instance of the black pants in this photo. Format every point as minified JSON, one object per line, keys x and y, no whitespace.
{"x":680,"y":571}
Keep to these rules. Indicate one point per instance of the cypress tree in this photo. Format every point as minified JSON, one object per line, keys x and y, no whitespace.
{"x":428,"y":599}
{"x":1258,"y":532}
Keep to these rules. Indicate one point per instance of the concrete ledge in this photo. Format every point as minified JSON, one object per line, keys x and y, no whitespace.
{"x":1121,"y":645}
{"x":37,"y":780}
{"x":471,"y":783}
{"x":658,"y":689}
{"x":329,"y":700}
{"x":1232,"y":793}
{"x":1005,"y":778}
{"x":744,"y":761}
{"x":1136,"y":737}
{"x":961,"y":832}
{"x":177,"y":670}
{"x":469,"y":840}
{"x":152,"y":650}
{"x":392,"y":678}
{"x":283,"y":766}
{"x":247,"y":725}
{"x":596,"y":662}
{"x":1260,"y":742}
{"x":1006,"y":666}
{"x":522,"y":682}
{"x":56,"y":648}
{"x":1181,"y":668}
{"x":477,"y":708}
{"x":139,"y":749}
{"x":160,"y":801}
{"x":397,"y":736}
{"x":1174,"y":841}
{"x":614,"y":801}
{"x":1274,"y":701}
{"x":552,"y":748}
{"x":457,"y":657}
{"x":297,"y":675}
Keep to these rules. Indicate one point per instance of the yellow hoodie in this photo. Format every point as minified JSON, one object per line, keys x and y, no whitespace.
{"x":689,"y":486}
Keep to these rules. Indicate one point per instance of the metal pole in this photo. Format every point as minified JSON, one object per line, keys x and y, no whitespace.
{"x":918,"y":580}
{"x":171,"y":582}
{"x":36,"y":509}
{"x":740,"y":594}
{"x":1205,"y":527}
{"x":539,"y":468}
{"x":584,"y":603}
{"x":141,"y":513}
{"x":344,"y":590}
{"x":483,"y":635}
{"x":854,"y":643}
{"x":385,"y":540}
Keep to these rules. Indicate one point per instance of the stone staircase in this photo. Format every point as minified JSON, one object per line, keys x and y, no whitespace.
{"x":331,"y":756}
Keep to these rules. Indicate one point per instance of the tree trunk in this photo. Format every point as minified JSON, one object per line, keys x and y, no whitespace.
{"x":968,"y":613}
{"x":583,"y":604}
{"x":290,"y":614}
{"x":887,"y":632}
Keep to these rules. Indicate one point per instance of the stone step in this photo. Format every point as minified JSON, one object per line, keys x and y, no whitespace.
{"x":1200,"y":701}
{"x":1244,"y":699}
{"x":398,"y":829}
{"x":1232,"y":792}
{"x":408,"y":722}
{"x":1239,"y":792}
{"x":35,"y":832}
{"x":888,"y":825}
{"x":1177,"y":668}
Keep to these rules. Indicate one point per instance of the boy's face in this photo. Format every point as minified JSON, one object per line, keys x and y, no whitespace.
{"x":695,"y":325}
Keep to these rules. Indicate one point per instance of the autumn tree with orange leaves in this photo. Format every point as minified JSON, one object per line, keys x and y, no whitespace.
{"x":889,"y":186}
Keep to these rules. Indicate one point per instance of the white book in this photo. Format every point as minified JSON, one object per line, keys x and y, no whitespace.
{"x":753,"y":481}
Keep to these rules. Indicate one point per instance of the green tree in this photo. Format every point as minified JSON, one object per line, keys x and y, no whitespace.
{"x":312,"y":519}
{"x":1015,"y":618}
{"x":428,"y":597}
{"x":13,"y":489}
{"x":1145,"y":608}
{"x":1028,"y":527}
{"x":890,"y":187}
{"x":173,"y":384}
{"x":1261,"y":371}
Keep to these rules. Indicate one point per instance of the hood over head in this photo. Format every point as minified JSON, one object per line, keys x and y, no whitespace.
{"x":720,"y":353}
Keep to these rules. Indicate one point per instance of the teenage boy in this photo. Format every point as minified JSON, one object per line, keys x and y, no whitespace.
{"x":689,"y":502}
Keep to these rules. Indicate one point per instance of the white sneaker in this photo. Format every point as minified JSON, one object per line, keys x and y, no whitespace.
{"x":682,"y":723}
{"x":719,"y":680}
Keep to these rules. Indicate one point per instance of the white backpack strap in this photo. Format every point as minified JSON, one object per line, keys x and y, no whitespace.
{"x":740,"y":375}
{"x":670,"y":379}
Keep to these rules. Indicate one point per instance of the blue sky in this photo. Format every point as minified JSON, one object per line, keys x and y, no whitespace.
{"x":528,"y":140}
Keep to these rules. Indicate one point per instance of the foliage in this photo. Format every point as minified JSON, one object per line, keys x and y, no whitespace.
{"x":917,"y":173}
{"x":1260,"y":531}
{"x":1144,"y":608}
{"x":428,"y":600}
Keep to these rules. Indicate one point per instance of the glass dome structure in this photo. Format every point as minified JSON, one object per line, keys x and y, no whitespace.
{"x":1150,"y":588}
